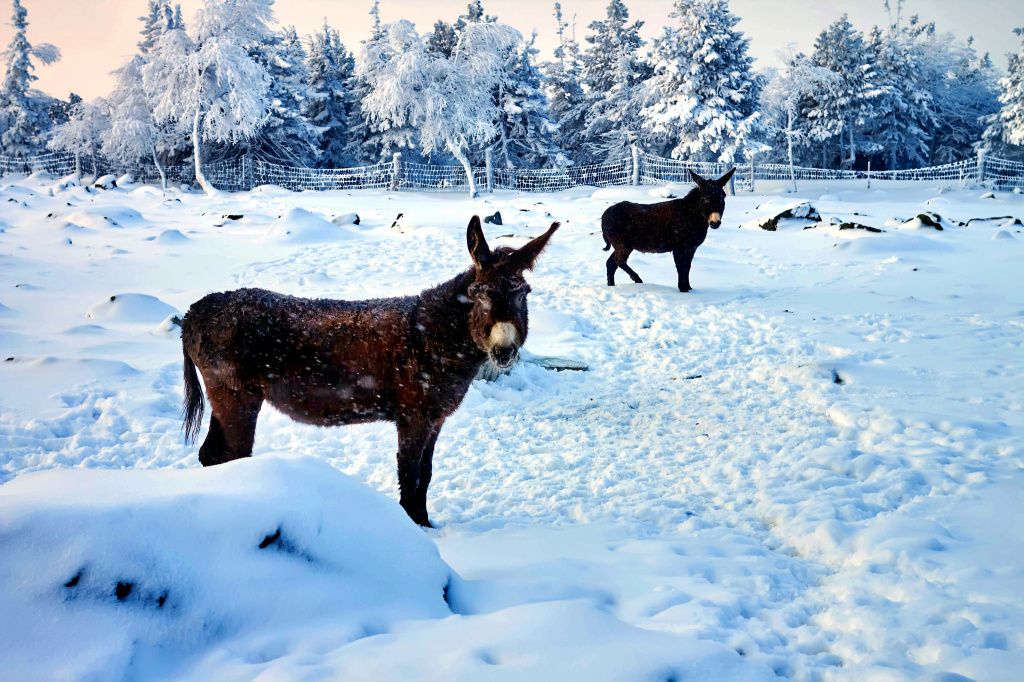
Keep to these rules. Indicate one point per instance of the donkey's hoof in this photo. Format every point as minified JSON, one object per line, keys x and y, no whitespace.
{"x":685,"y":289}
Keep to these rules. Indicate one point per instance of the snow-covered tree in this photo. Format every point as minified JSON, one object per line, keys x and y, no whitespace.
{"x":443,"y":39}
{"x":331,"y":107}
{"x":209,"y":79}
{"x":567,"y":101}
{"x":82,"y":134}
{"x":1005,"y":132}
{"x":780,"y":101}
{"x":449,"y":101}
{"x":902,"y":119}
{"x":613,"y":73}
{"x":24,"y":118}
{"x":158,"y":18}
{"x":964,"y":95}
{"x":839,"y":115}
{"x":525,"y":131}
{"x":133,"y":133}
{"x":703,"y":95}
{"x":287,"y":134}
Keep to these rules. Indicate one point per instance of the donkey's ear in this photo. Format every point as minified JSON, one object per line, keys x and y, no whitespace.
{"x":724,"y":180}
{"x":477,"y":244}
{"x":701,"y":182}
{"x":524,"y":257}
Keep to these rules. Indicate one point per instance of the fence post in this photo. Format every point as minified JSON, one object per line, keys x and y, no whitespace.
{"x":981,"y":165}
{"x":490,"y":170}
{"x":635,"y":153}
{"x":396,"y":170}
{"x":732,"y":185}
{"x":751,"y":173}
{"x":245,"y":184}
{"x":869,"y":173}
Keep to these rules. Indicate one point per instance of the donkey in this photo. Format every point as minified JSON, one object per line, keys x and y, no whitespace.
{"x":679,"y":226}
{"x":407,"y":360}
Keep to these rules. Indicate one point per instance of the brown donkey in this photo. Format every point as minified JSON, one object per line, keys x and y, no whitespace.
{"x":407,"y":360}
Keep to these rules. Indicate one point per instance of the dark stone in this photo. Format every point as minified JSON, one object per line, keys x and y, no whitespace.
{"x":397,"y":218}
{"x":930,"y":220}
{"x":804,"y":211}
{"x":836,"y":379}
{"x":858,"y":226}
{"x":271,"y":539}
{"x":494,"y":219}
{"x":234,"y":216}
{"x":123,"y":589}
{"x":74,"y":580}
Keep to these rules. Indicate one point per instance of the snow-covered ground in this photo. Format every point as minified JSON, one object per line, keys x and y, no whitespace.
{"x":810,"y":467}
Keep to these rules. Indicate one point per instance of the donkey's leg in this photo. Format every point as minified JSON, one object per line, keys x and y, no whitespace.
{"x":620,"y":259}
{"x":426,"y":470}
{"x":212,"y":451}
{"x":611,"y":267}
{"x":235,"y":413}
{"x":683,"y":258}
{"x":413,"y":434}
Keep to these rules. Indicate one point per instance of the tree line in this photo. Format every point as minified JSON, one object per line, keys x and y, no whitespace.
{"x":230,"y":81}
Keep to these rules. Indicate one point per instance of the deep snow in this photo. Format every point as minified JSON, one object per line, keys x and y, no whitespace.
{"x":809,"y":467}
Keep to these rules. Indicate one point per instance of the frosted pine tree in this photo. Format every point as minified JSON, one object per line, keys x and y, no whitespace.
{"x":613,"y":72}
{"x":158,"y":18}
{"x":1005,"y":132}
{"x":330,"y":67}
{"x":780,"y":103}
{"x":133,"y":134}
{"x":443,"y":39}
{"x":81,"y":134}
{"x":704,"y":94}
{"x":287,"y":135}
{"x":567,"y":102}
{"x":964,"y":97}
{"x":902,"y":117}
{"x":23,"y":112}
{"x":838,"y":117}
{"x":370,"y":139}
{"x":448,"y":101}
{"x":525,"y":131}
{"x":209,"y":80}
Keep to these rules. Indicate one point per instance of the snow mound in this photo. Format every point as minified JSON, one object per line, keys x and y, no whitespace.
{"x":1002,"y":234}
{"x":346,"y":219}
{"x":923,"y":221}
{"x":112,"y":574}
{"x":125,"y":181}
{"x":797,"y":214}
{"x":105,"y":217}
{"x":108,"y":181}
{"x":299,"y":226}
{"x":131,"y":309}
{"x":172,"y":237}
{"x":4,"y":310}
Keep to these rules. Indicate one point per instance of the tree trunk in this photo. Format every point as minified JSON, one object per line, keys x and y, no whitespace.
{"x":78,"y":168}
{"x":197,"y":156}
{"x":789,"y":143}
{"x":159,"y":169}
{"x":853,"y":149}
{"x":460,"y":156}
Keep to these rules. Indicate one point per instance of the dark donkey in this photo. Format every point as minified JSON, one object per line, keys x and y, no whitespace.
{"x":679,"y":226}
{"x":408,"y":360}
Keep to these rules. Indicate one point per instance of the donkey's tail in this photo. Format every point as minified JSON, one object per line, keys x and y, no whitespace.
{"x":607,"y":245}
{"x":192,"y":410}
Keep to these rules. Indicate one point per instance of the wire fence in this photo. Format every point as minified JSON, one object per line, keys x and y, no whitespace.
{"x":641,"y":168}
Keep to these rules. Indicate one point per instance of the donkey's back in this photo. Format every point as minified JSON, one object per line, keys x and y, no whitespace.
{"x":321,"y":361}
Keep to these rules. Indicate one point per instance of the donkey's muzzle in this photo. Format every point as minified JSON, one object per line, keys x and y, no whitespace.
{"x":504,"y":356}
{"x":715,"y":220}
{"x":715,"y":225}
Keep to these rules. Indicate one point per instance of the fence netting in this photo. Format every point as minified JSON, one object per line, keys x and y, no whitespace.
{"x":247,"y":172}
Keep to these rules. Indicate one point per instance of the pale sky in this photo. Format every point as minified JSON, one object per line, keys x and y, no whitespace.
{"x":96,"y":36}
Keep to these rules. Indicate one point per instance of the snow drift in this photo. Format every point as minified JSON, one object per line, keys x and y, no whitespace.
{"x":108,"y":574}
